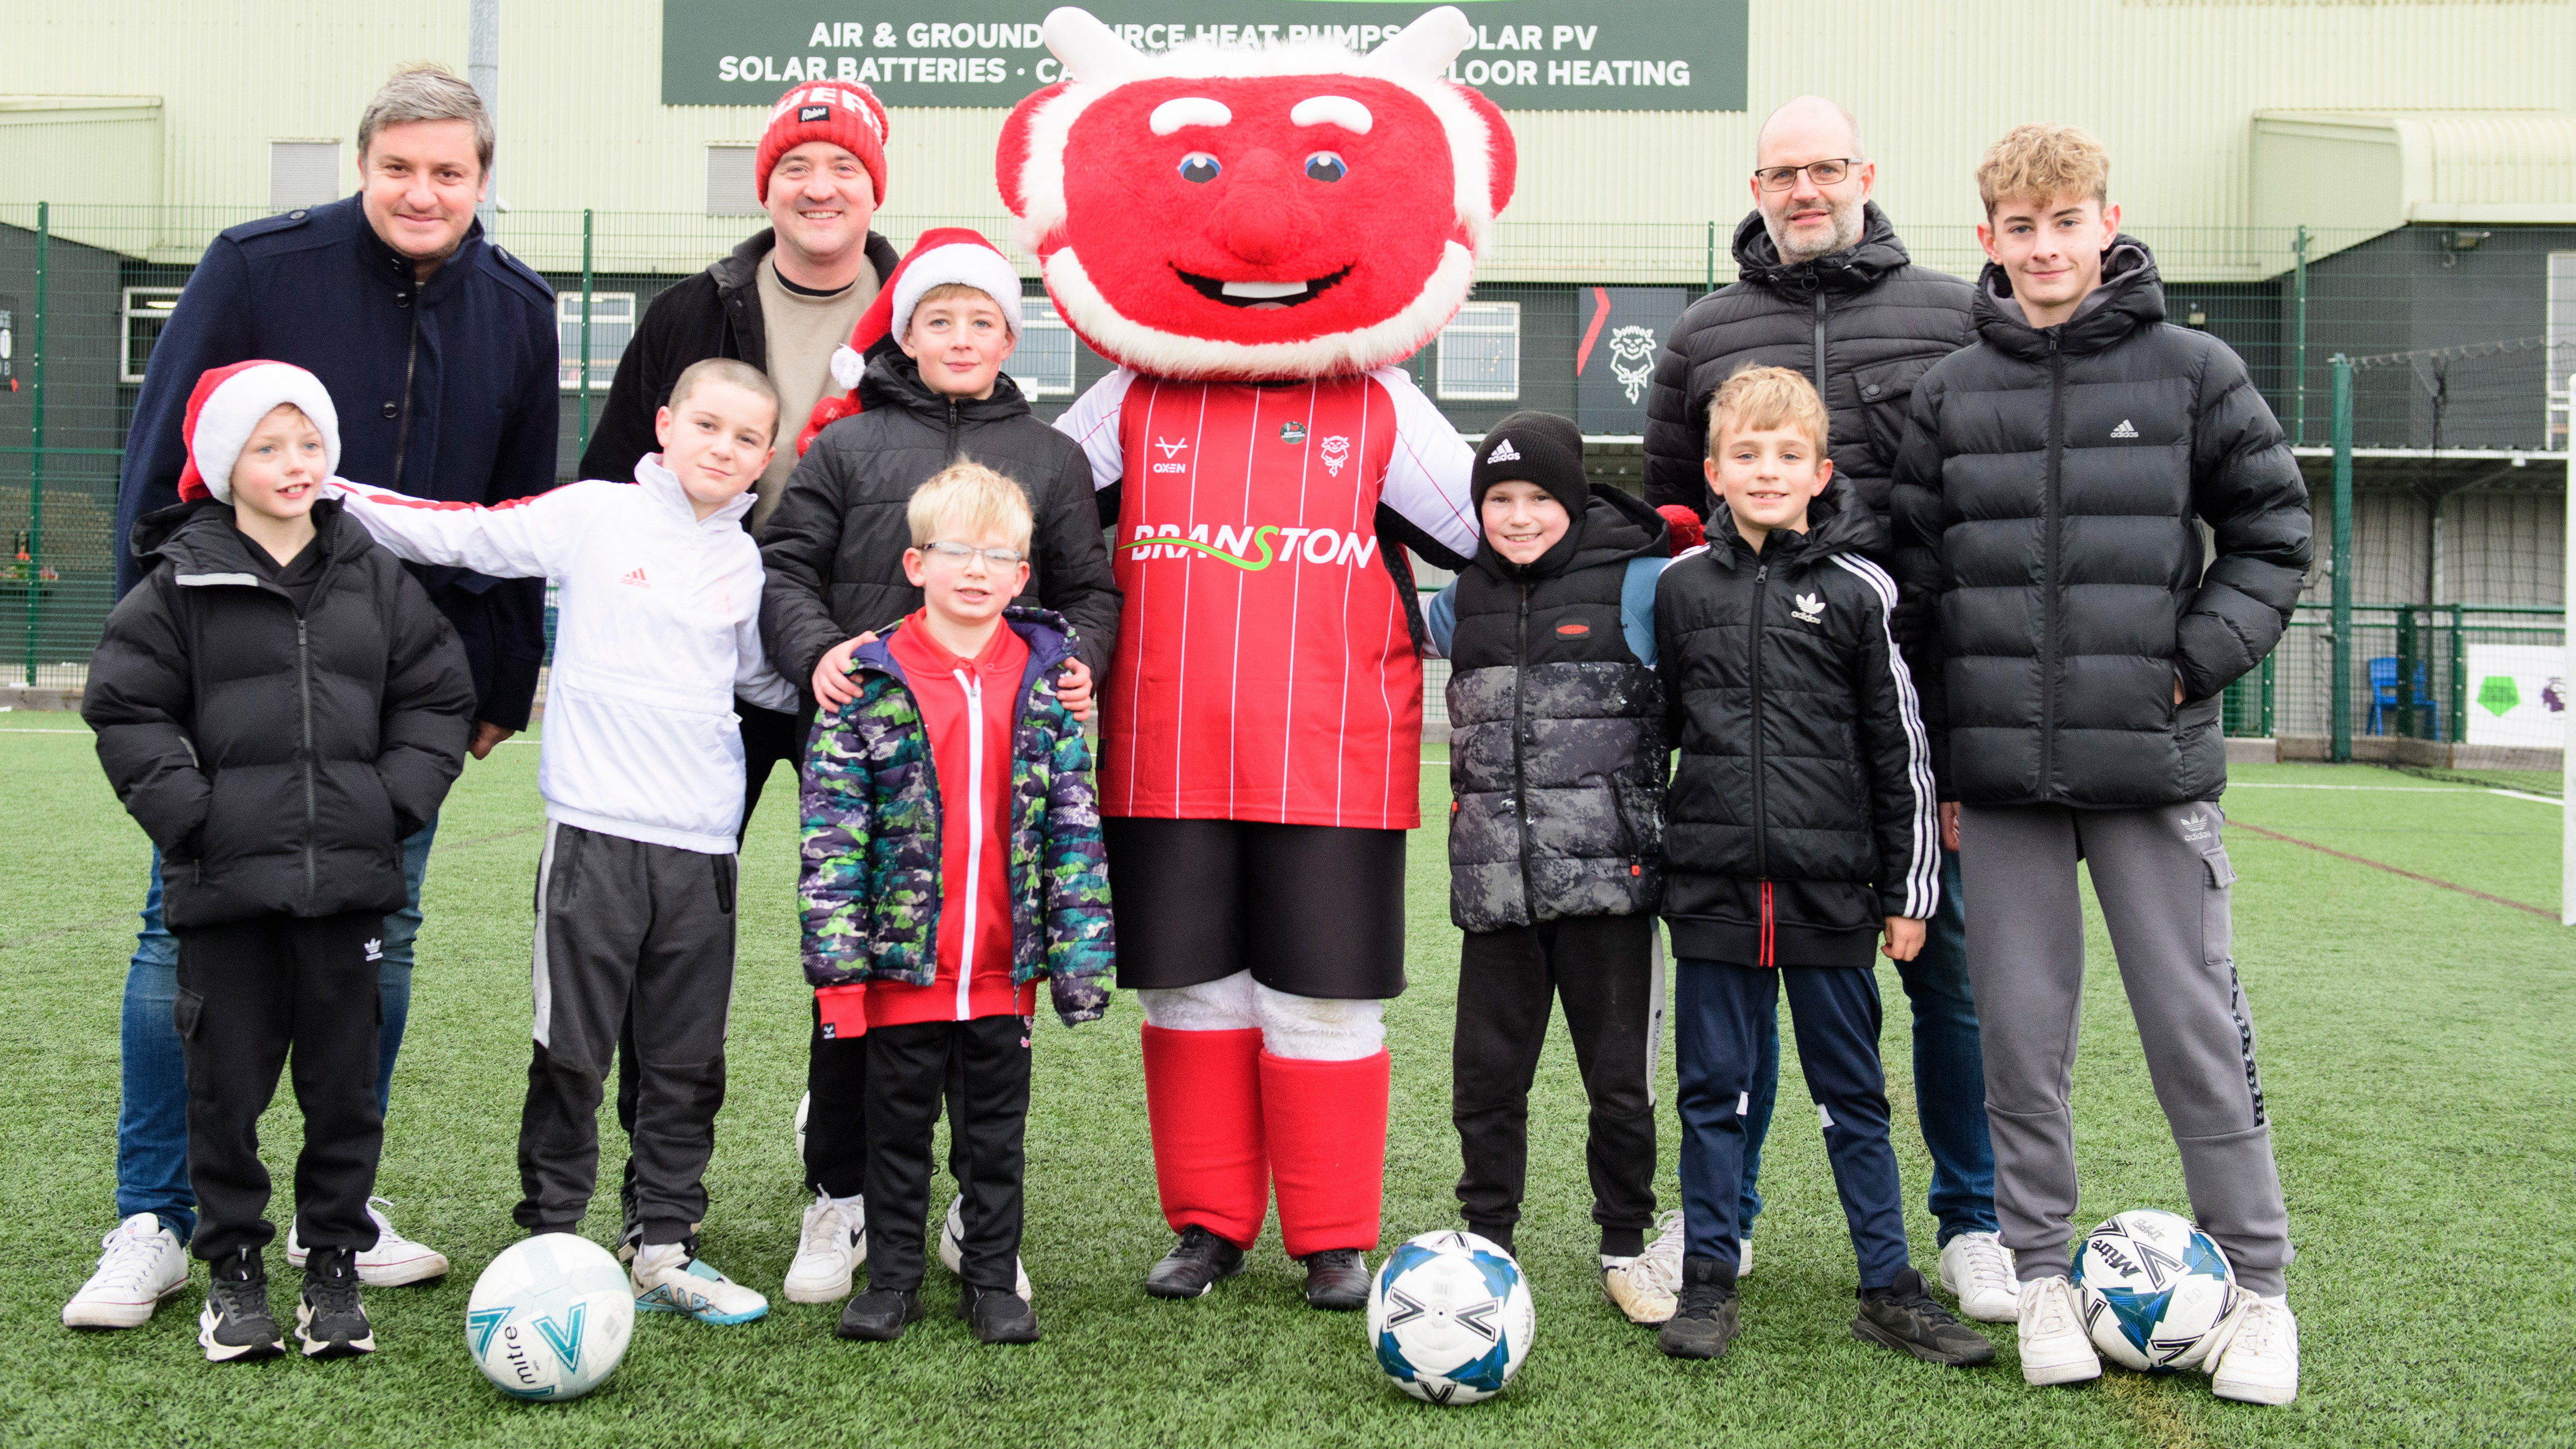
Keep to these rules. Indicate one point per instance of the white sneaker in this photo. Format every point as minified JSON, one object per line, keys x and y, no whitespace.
{"x":952,"y":1246}
{"x":1644,"y":1287}
{"x":670,"y":1281}
{"x":2054,"y":1349}
{"x":834,"y":1242}
{"x":139,"y":1264}
{"x":1977,"y":1269}
{"x":394,"y":1261}
{"x":2258,"y":1361}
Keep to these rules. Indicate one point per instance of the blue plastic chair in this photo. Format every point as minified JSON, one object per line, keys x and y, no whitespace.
{"x":2384,"y":700}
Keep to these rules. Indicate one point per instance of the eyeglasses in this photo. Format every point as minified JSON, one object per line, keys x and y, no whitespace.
{"x":1823,"y":173}
{"x":958,"y":553}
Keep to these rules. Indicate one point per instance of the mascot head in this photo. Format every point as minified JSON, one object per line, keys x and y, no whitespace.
{"x":1293,"y":211}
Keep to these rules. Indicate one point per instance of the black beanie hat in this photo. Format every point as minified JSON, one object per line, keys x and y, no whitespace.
{"x":1533,"y":447}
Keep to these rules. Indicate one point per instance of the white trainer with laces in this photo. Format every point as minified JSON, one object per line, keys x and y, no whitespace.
{"x":140,"y":1263}
{"x":667,"y":1280}
{"x":1645,"y":1287}
{"x":1977,"y":1269}
{"x":828,"y":1251}
{"x":952,"y":1246}
{"x":394,"y":1261}
{"x":2054,"y":1349}
{"x":2258,"y":1363}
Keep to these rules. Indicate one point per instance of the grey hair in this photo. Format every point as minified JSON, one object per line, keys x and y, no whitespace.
{"x":427,"y":92}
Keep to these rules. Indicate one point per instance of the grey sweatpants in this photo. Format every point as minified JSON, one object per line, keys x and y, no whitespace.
{"x":620,"y":920}
{"x":2162,"y":877}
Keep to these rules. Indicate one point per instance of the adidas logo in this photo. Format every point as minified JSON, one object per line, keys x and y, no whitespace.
{"x":376,"y":949}
{"x":1504,"y":452}
{"x":1810,"y":610}
{"x":2124,"y":430}
{"x":636,"y":577}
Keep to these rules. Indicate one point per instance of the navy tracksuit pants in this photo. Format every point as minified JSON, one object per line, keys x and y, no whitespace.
{"x":1719,"y":1013}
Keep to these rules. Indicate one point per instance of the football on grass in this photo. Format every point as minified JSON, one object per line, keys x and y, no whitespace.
{"x":550,"y":1318}
{"x":2152,"y":1287}
{"x":1450,"y":1318}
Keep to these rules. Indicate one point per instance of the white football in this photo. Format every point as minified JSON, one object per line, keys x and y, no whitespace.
{"x":2151,"y":1287}
{"x":550,"y":1317}
{"x":1450,"y":1317}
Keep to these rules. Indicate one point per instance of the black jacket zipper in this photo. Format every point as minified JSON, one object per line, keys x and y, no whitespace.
{"x":952,"y":430}
{"x":1520,"y":769}
{"x":411,"y":366}
{"x":1753,"y":648}
{"x":1820,"y":343}
{"x":2050,"y":505}
{"x":304,"y":682}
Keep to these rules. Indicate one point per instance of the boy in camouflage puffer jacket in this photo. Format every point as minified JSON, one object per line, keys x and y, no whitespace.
{"x":927,"y":922}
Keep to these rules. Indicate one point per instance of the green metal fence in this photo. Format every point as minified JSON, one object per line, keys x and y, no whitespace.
{"x":2333,"y":328}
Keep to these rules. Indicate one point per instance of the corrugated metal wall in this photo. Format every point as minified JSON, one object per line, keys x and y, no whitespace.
{"x":2169,"y":86}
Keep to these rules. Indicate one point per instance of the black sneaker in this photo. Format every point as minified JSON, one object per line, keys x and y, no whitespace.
{"x":997,"y":1315}
{"x":236,"y":1326}
{"x":1194,"y":1265}
{"x":1337,"y":1280}
{"x":1903,"y":1315}
{"x":1703,"y":1320}
{"x":880,"y":1315}
{"x":329,"y":1320}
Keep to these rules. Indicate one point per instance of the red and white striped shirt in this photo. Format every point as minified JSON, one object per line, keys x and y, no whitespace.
{"x":1264,"y":670}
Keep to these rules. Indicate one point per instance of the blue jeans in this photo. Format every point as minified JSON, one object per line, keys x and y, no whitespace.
{"x":152,"y":1114}
{"x":1949,"y":1076}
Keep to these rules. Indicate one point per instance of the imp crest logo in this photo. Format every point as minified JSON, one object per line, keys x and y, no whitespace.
{"x":1335,"y":451}
{"x":1632,"y":358}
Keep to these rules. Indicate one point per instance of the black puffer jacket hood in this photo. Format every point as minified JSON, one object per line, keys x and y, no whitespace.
{"x":2052,"y":534}
{"x":278,"y":759}
{"x":1863,"y":324}
{"x":834,"y":548}
{"x":1801,"y":810}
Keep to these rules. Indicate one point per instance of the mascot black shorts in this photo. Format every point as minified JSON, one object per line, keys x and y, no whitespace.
{"x":1313,"y":910}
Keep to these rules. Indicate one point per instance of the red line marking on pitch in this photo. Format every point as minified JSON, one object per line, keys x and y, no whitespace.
{"x":2392,"y":870}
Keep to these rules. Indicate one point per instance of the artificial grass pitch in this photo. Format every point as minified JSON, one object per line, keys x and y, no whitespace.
{"x":2415,"y":1046}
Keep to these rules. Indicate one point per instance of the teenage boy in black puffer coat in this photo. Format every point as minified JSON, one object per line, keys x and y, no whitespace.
{"x":1556,"y":761}
{"x":277,"y":704}
{"x":1800,"y":826}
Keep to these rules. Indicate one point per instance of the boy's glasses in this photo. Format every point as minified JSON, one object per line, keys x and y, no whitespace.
{"x":1823,"y":173}
{"x":958,"y":553}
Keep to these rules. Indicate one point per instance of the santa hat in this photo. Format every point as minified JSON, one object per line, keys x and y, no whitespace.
{"x":226,"y":406}
{"x":844,"y":113}
{"x":1686,"y":529}
{"x":942,"y":255}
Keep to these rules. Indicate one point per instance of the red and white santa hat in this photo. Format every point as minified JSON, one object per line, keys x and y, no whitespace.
{"x":941,"y":255}
{"x":845,"y":113}
{"x":226,"y":406}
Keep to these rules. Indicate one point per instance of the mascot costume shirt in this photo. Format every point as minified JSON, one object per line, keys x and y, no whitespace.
{"x":1256,"y":237}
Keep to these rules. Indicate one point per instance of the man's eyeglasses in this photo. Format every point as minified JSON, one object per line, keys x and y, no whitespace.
{"x":958,"y":553}
{"x":1823,"y":173}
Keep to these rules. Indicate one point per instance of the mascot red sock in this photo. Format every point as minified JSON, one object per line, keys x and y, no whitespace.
{"x":1256,"y":237}
{"x":1203,"y":1103}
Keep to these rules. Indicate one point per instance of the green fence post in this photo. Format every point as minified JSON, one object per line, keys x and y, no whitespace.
{"x":36,"y":447}
{"x":585,"y":329}
{"x":2457,"y":734}
{"x":2409,"y":659}
{"x":2299,"y":340}
{"x":2340,"y":747}
{"x":2268,"y":732}
{"x":1712,"y":257}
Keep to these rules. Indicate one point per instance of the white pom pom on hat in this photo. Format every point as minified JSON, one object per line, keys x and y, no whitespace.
{"x":226,"y":406}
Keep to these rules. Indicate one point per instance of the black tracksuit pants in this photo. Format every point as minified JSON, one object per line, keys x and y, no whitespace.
{"x":908,"y":1072}
{"x":641,"y":935}
{"x":1603,"y":969}
{"x":249,"y":991}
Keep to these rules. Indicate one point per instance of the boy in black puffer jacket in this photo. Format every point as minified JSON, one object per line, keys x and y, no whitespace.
{"x":1556,"y":762}
{"x":1799,"y":827}
{"x":931,"y":394}
{"x":277,"y":704}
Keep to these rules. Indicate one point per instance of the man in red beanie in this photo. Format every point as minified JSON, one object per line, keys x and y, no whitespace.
{"x":782,"y":302}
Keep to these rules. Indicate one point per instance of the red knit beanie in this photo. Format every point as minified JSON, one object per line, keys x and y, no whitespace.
{"x":844,"y":113}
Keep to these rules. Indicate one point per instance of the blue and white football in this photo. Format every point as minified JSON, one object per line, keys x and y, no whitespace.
{"x":2151,"y":1287}
{"x":1450,"y":1317}
{"x":550,"y":1317}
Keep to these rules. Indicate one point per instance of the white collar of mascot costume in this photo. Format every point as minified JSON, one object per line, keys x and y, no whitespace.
{"x":1298,"y":210}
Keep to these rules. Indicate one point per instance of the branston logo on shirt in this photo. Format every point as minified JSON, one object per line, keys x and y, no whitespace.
{"x":1252,"y":547}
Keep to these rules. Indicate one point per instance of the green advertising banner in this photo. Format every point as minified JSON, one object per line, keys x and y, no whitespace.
{"x":1529,"y":55}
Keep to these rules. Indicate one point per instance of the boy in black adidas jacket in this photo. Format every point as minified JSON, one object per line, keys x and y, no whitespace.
{"x":1800,"y":825}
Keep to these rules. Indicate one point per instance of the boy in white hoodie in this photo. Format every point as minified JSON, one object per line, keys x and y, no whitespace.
{"x":642,"y":773}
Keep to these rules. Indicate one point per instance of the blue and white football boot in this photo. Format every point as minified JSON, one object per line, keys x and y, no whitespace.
{"x":668,"y":1278}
